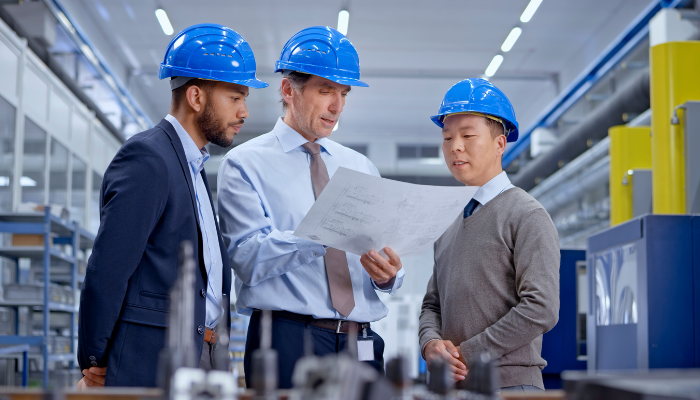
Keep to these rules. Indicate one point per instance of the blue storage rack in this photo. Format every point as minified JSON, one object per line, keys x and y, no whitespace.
{"x":66,"y":233}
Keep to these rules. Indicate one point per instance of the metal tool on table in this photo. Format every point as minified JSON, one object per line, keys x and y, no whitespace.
{"x":265,"y":376}
{"x":178,"y":373}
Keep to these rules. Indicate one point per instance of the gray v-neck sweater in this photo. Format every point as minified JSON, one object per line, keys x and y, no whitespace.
{"x":495,"y":286}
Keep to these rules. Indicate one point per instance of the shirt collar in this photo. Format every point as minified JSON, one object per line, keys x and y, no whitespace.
{"x":192,"y":153}
{"x":492,"y":188}
{"x":290,"y":139}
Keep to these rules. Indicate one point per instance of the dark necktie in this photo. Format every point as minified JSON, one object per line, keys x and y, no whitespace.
{"x":471,"y":206}
{"x":336,"y":263}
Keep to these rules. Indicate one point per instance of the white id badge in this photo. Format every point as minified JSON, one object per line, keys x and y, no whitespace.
{"x":365,"y":347}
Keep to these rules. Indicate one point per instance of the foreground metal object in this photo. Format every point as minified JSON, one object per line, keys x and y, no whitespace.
{"x":179,"y":376}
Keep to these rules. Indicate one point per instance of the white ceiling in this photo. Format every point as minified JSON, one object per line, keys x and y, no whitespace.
{"x":411,"y":51}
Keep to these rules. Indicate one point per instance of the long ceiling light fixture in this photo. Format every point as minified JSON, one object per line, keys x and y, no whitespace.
{"x":493,"y":66}
{"x":343,"y":21}
{"x":164,"y":22}
{"x":530,"y":10}
{"x":511,"y":39}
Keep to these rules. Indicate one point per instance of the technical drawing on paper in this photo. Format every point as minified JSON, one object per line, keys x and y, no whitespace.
{"x":337,"y":227}
{"x":357,"y":212}
{"x":350,"y":211}
{"x":360,"y":193}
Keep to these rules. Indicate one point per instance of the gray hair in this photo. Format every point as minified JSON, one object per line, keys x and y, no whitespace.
{"x":298,"y":81}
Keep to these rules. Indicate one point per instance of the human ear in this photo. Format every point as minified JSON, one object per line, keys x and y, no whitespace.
{"x":196,"y":98}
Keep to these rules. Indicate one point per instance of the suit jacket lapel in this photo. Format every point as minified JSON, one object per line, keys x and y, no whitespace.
{"x":180,"y":152}
{"x":222,"y":247}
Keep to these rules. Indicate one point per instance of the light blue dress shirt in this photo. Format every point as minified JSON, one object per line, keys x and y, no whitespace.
{"x":207,"y":224}
{"x":497,"y":185}
{"x":264,"y":191}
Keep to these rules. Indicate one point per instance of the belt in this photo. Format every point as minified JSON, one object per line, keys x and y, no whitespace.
{"x":211,"y":336}
{"x":337,"y":325}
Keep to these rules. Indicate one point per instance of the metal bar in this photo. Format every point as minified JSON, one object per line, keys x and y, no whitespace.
{"x":47,"y":266}
{"x":22,"y":227}
{"x":25,"y":368}
{"x":131,"y":105}
{"x":621,"y":46}
{"x":73,"y":282}
{"x":15,"y":340}
{"x":14,"y":349}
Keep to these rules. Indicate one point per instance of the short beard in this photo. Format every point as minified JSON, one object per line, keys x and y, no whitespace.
{"x":213,"y":128}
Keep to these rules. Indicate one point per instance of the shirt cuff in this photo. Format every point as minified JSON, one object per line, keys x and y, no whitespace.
{"x":309,"y":251}
{"x":391,"y":289}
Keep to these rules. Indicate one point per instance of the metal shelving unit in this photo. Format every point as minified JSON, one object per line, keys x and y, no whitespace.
{"x":57,"y":267}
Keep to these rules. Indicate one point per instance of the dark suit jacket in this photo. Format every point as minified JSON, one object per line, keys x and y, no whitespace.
{"x":148,"y":207}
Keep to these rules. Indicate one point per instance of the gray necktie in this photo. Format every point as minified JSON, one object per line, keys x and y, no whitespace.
{"x":336,"y":263}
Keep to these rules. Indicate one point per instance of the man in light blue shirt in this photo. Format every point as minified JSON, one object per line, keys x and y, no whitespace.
{"x":265,"y":188}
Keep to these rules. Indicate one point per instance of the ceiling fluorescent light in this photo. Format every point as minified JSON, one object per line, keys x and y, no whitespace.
{"x":493,"y":67}
{"x":164,"y":22}
{"x":511,"y":39}
{"x":530,"y":10}
{"x":343,"y":20}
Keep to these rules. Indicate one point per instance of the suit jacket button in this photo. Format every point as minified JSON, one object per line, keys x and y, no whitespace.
{"x":203,"y":293}
{"x":94,"y":363}
{"x":200,"y":329}
{"x":92,"y":358}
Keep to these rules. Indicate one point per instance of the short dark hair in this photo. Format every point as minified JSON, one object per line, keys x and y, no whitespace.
{"x":298,"y":81}
{"x":495,"y":127}
{"x":178,"y":95}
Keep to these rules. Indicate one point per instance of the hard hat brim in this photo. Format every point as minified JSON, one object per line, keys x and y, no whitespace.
{"x":323,"y":72}
{"x":239,"y":78}
{"x":512,"y":136}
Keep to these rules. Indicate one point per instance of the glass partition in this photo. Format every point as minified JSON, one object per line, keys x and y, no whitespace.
{"x":33,"y":163}
{"x":7,"y":154}
{"x":95,"y":202}
{"x":58,"y":174}
{"x":78,"y":186}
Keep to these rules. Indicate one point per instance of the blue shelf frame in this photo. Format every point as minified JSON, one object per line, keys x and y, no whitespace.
{"x":635,"y":32}
{"x":68,"y":233}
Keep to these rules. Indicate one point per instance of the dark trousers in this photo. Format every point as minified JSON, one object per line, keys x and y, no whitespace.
{"x":288,"y":340}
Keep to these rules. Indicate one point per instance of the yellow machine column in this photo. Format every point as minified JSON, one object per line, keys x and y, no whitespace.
{"x":630,"y":150}
{"x":674,"y":80}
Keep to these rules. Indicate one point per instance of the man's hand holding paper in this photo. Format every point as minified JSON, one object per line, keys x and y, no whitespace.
{"x":363,"y":214}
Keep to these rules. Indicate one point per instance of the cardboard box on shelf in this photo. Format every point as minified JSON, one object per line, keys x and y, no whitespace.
{"x":27,"y":240}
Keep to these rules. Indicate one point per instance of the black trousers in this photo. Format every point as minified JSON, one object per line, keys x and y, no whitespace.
{"x":288,"y":340}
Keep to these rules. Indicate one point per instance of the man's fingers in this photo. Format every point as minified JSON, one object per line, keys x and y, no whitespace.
{"x":375,"y":272}
{"x":81,"y":385}
{"x":98,"y":370}
{"x":457,"y":371}
{"x":393,"y":257}
{"x":94,"y":380}
{"x":457,"y":377}
{"x":370,"y":266}
{"x":452,"y":349}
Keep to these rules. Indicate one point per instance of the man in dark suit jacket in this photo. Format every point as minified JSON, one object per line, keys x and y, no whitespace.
{"x":155,"y":195}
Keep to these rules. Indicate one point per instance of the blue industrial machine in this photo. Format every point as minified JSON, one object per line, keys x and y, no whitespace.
{"x":644,"y":294}
{"x":564,"y":347}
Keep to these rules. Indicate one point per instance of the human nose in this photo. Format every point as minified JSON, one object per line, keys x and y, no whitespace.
{"x":336,"y":106}
{"x":457,"y":146}
{"x":243,"y":112}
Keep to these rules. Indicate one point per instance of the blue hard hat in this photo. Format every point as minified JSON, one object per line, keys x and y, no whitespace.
{"x":213,"y":52}
{"x":322,"y":51}
{"x":479,"y":96}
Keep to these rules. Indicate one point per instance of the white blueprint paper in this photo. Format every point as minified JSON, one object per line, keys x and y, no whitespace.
{"x":358,"y":212}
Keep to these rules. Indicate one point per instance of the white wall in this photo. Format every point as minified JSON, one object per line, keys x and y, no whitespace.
{"x":37,"y":94}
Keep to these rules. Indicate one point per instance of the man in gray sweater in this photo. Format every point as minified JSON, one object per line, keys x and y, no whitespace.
{"x":495,"y":283}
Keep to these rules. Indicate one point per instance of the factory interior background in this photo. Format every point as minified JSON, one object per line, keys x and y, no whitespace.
{"x":606,"y":92}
